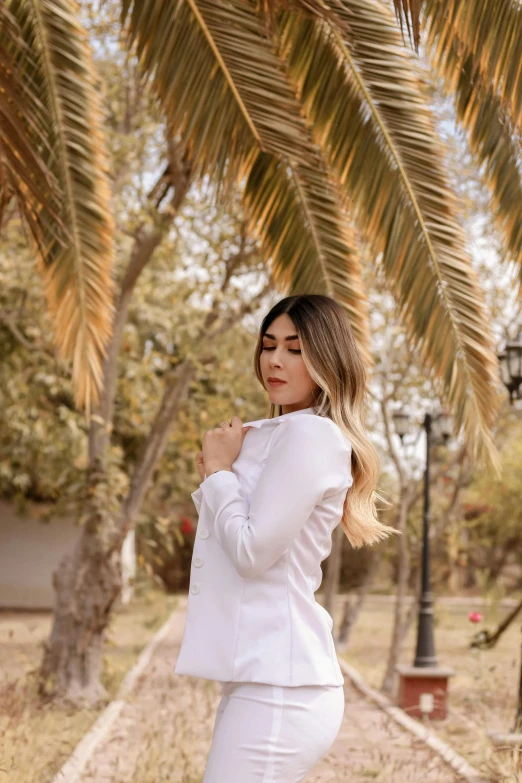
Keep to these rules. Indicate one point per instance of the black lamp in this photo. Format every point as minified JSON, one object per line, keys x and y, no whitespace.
{"x":510,"y":360}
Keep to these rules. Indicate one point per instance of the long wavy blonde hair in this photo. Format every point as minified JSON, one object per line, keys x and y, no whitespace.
{"x":333,"y":361}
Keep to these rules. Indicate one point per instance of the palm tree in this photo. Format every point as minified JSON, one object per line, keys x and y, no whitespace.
{"x":319,"y":114}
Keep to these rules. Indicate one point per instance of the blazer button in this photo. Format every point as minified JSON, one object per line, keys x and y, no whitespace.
{"x":203,"y":533}
{"x":194,"y":589}
{"x":198,"y":562}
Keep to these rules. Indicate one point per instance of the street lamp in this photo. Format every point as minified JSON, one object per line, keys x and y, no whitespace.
{"x":402,"y":423}
{"x":425,"y":674}
{"x":511,"y":372}
{"x":510,"y":360}
{"x":438,"y":428}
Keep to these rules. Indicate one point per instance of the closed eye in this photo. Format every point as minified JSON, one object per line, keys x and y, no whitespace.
{"x":272,"y":348}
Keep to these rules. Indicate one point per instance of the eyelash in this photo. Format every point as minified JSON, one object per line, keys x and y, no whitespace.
{"x":291,"y":350}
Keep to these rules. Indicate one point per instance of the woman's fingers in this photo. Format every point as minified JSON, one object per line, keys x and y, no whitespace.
{"x":221,"y":445}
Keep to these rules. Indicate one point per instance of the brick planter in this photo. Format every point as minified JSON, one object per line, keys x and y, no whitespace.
{"x":423,"y":691}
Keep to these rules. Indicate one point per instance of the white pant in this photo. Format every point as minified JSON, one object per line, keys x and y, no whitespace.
{"x":271,"y":733}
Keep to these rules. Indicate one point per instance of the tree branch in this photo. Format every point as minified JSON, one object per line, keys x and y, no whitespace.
{"x":175,"y":392}
{"x":9,"y":321}
{"x":153,"y":447}
{"x":245,"y":309}
{"x":144,"y":246}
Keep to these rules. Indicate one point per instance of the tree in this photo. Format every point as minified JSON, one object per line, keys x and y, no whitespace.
{"x":491,"y":514}
{"x":88,"y":581}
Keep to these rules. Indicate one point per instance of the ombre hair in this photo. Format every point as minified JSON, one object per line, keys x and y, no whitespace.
{"x":333,"y":361}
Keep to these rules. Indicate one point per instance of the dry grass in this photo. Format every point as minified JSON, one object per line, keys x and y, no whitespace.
{"x":482,"y":694}
{"x":176,"y":752}
{"x":36,"y":738}
{"x":503,"y":765}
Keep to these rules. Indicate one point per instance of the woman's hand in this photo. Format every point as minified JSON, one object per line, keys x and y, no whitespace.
{"x":221,"y":446}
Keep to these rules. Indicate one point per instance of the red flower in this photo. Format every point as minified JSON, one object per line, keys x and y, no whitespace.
{"x":474,"y":617}
{"x":186,"y":525}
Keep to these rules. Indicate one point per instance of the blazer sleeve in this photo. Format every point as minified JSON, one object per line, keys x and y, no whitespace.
{"x":307,"y":457}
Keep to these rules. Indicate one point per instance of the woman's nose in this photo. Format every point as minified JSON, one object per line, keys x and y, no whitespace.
{"x":275,"y":360}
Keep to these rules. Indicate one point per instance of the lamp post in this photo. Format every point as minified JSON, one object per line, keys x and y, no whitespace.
{"x":510,"y":360}
{"x":425,"y":678}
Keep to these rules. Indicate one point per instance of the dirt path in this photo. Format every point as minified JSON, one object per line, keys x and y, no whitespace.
{"x":164,"y":732}
{"x":372,"y":747}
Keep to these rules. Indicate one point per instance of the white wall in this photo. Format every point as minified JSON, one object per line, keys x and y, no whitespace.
{"x":30,"y":550}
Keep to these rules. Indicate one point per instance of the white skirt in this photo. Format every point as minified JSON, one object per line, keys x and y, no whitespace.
{"x":272,"y":733}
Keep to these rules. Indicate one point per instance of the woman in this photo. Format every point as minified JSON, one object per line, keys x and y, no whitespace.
{"x":272,"y":492}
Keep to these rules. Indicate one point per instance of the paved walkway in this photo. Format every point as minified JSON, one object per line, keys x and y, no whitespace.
{"x":164,"y":732}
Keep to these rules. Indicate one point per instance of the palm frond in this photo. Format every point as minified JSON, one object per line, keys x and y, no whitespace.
{"x":25,"y":175}
{"x":488,"y":30}
{"x":296,"y":213}
{"x":223,"y":87}
{"x":479,"y":111}
{"x":269,"y":10}
{"x":379,"y":139}
{"x":76,"y":252}
{"x":409,"y":11}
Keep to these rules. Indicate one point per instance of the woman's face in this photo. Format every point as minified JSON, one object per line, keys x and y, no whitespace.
{"x":281,"y":360}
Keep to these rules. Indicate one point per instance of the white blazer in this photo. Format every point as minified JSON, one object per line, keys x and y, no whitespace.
{"x":263,"y":530}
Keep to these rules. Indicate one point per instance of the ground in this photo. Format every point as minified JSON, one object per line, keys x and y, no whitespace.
{"x":164,"y":731}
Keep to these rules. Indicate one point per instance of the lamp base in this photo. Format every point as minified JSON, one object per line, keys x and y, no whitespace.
{"x":423,"y":691}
